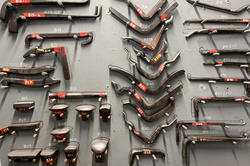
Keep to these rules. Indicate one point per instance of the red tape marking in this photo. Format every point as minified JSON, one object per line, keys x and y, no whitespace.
{"x":140,"y":111}
{"x":137,"y":96}
{"x":213,"y":51}
{"x":163,"y":16}
{"x":239,"y":99}
{"x":206,"y":98}
{"x":161,"y":68}
{"x":132,"y":25}
{"x":83,"y":34}
{"x":245,"y":20}
{"x":34,"y":35}
{"x":61,"y":95}
{"x":142,"y":87}
{"x":60,"y":50}
{"x":136,"y":132}
{"x":33,"y":15}
{"x":102,"y":94}
{"x":231,"y":79}
{"x":28,"y":82}
{"x":20,"y":2}
{"x":139,"y":11}
{"x":5,"y":69}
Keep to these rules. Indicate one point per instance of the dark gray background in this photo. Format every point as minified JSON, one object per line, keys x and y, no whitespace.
{"x":89,"y":69}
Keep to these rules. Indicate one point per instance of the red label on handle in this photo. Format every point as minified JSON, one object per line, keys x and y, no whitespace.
{"x":137,"y":96}
{"x":60,"y":50}
{"x":28,"y":82}
{"x":163,"y":16}
{"x":5,"y":69}
{"x":136,"y":132}
{"x":102,"y":95}
{"x":34,"y":35}
{"x":61,"y":95}
{"x":231,"y":79}
{"x":4,"y":130}
{"x":33,"y":15}
{"x":145,"y":44}
{"x":140,"y":111}
{"x":139,"y":11}
{"x":211,"y":29}
{"x":142,"y":87}
{"x":205,"y":98}
{"x":161,"y":68}
{"x":83,"y":34}
{"x":20,"y":2}
{"x":239,"y":99}
{"x":132,"y":25}
{"x":199,"y":123}
{"x":245,"y":20}
{"x":213,"y":51}
{"x":220,"y":63}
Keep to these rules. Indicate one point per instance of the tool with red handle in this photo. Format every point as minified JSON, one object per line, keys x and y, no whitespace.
{"x":11,"y":4}
{"x":15,"y":21}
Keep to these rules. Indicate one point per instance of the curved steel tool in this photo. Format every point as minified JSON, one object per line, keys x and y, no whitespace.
{"x":214,"y":80}
{"x":141,"y":85}
{"x":43,"y":70}
{"x":218,"y":8}
{"x":144,"y":104}
{"x":144,"y":30}
{"x":225,"y":51}
{"x":203,"y":100}
{"x":99,"y":148}
{"x":185,"y":124}
{"x":57,"y":51}
{"x":211,"y":31}
{"x":156,"y":41}
{"x":244,"y":81}
{"x":151,"y":13}
{"x":53,"y":96}
{"x":49,"y":155}
{"x":151,"y":139}
{"x":11,"y":4}
{"x":216,"y":20}
{"x":86,"y":37}
{"x":43,"y":82}
{"x":136,"y":152}
{"x":244,"y":65}
{"x":13,"y":128}
{"x":24,"y":155}
{"x":15,"y":21}
{"x":24,"y":105}
{"x":160,"y":70}
{"x":150,"y":118}
{"x":203,"y":138}
{"x":155,"y":58}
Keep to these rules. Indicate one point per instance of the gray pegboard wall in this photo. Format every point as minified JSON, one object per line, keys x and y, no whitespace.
{"x":89,"y":70}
